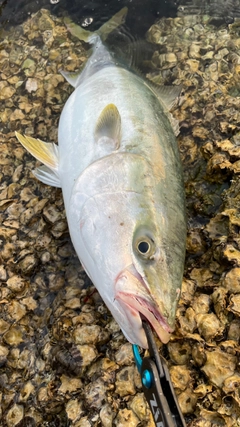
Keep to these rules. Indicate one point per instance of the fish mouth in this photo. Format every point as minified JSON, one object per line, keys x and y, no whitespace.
{"x":139,"y":301}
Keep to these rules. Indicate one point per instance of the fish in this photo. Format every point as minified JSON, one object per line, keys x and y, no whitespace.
{"x":118,"y":164}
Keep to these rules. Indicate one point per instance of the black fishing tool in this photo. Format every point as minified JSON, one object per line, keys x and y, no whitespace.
{"x":157,"y":386}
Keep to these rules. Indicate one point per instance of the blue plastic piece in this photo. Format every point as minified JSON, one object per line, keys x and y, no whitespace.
{"x":147,"y":378}
{"x":137,"y":357}
{"x":146,"y":375}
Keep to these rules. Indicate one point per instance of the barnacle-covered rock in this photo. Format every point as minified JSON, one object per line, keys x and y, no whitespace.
{"x":208,"y":326}
{"x":14,"y":336}
{"x":139,"y":406}
{"x":181,"y":377}
{"x":124,"y":356}
{"x":179,"y":351}
{"x":14,"y":415}
{"x":16,"y":283}
{"x":126,"y":418}
{"x":202,"y":390}
{"x":219,"y":366}
{"x":187,"y":320}
{"x":27,"y":390}
{"x":208,"y":419}
{"x":4,"y":326}
{"x":69,"y":385}
{"x":106,"y":415}
{"x":96,"y":394}
{"x":125,"y":381}
{"x":187,"y":401}
{"x":74,"y":410}
{"x":234,"y":305}
{"x":234,"y":330}
{"x":89,"y":334}
{"x":3,"y":355}
{"x":16,"y":310}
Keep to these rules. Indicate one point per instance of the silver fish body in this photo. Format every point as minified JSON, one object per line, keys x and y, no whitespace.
{"x":119,"y":168}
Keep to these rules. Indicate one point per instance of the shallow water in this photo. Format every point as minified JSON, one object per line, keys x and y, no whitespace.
{"x":63,"y":358}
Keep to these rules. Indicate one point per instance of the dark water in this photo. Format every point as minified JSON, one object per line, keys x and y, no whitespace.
{"x":142,"y":13}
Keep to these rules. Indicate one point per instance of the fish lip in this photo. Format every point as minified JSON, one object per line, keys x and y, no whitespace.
{"x":140,"y":302}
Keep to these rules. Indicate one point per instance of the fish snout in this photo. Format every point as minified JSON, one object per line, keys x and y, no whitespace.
{"x":135,"y":299}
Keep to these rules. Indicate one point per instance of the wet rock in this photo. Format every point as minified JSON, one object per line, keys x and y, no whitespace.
{"x":16,"y":310}
{"x":126,"y":418}
{"x":74,"y":410}
{"x":232,"y":280}
{"x":106,"y":415}
{"x":16,"y":283}
{"x":234,"y":305}
{"x":14,"y":415}
{"x":3,"y":355}
{"x":13,"y":336}
{"x":27,"y":390}
{"x":234,"y":330}
{"x":199,"y":354}
{"x":124,"y":356}
{"x":140,"y":407}
{"x":125,"y":381}
{"x":179,"y":352}
{"x":89,"y":334}
{"x":187,"y":401}
{"x":95,"y":394}
{"x":69,"y":385}
{"x":219,"y":366}
{"x":208,"y":325}
{"x":181,"y":377}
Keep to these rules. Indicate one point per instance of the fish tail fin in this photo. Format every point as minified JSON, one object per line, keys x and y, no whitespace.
{"x":103,"y":32}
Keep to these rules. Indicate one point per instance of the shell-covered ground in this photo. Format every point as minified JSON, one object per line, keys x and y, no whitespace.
{"x":63,"y":359}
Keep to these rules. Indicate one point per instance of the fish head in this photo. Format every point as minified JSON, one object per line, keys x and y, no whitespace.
{"x":147,"y":286}
{"x":132,"y":252}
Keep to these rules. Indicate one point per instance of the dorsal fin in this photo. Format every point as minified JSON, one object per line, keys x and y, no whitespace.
{"x":109,"y":126}
{"x":168,"y":95}
{"x":71,"y":77}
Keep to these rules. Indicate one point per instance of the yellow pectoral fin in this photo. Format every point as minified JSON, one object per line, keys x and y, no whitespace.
{"x":109,"y":125}
{"x":45,"y":152}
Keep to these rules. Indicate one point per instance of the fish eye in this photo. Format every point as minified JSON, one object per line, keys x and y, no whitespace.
{"x":87,"y":21}
{"x":143,"y":247}
{"x":143,"y":243}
